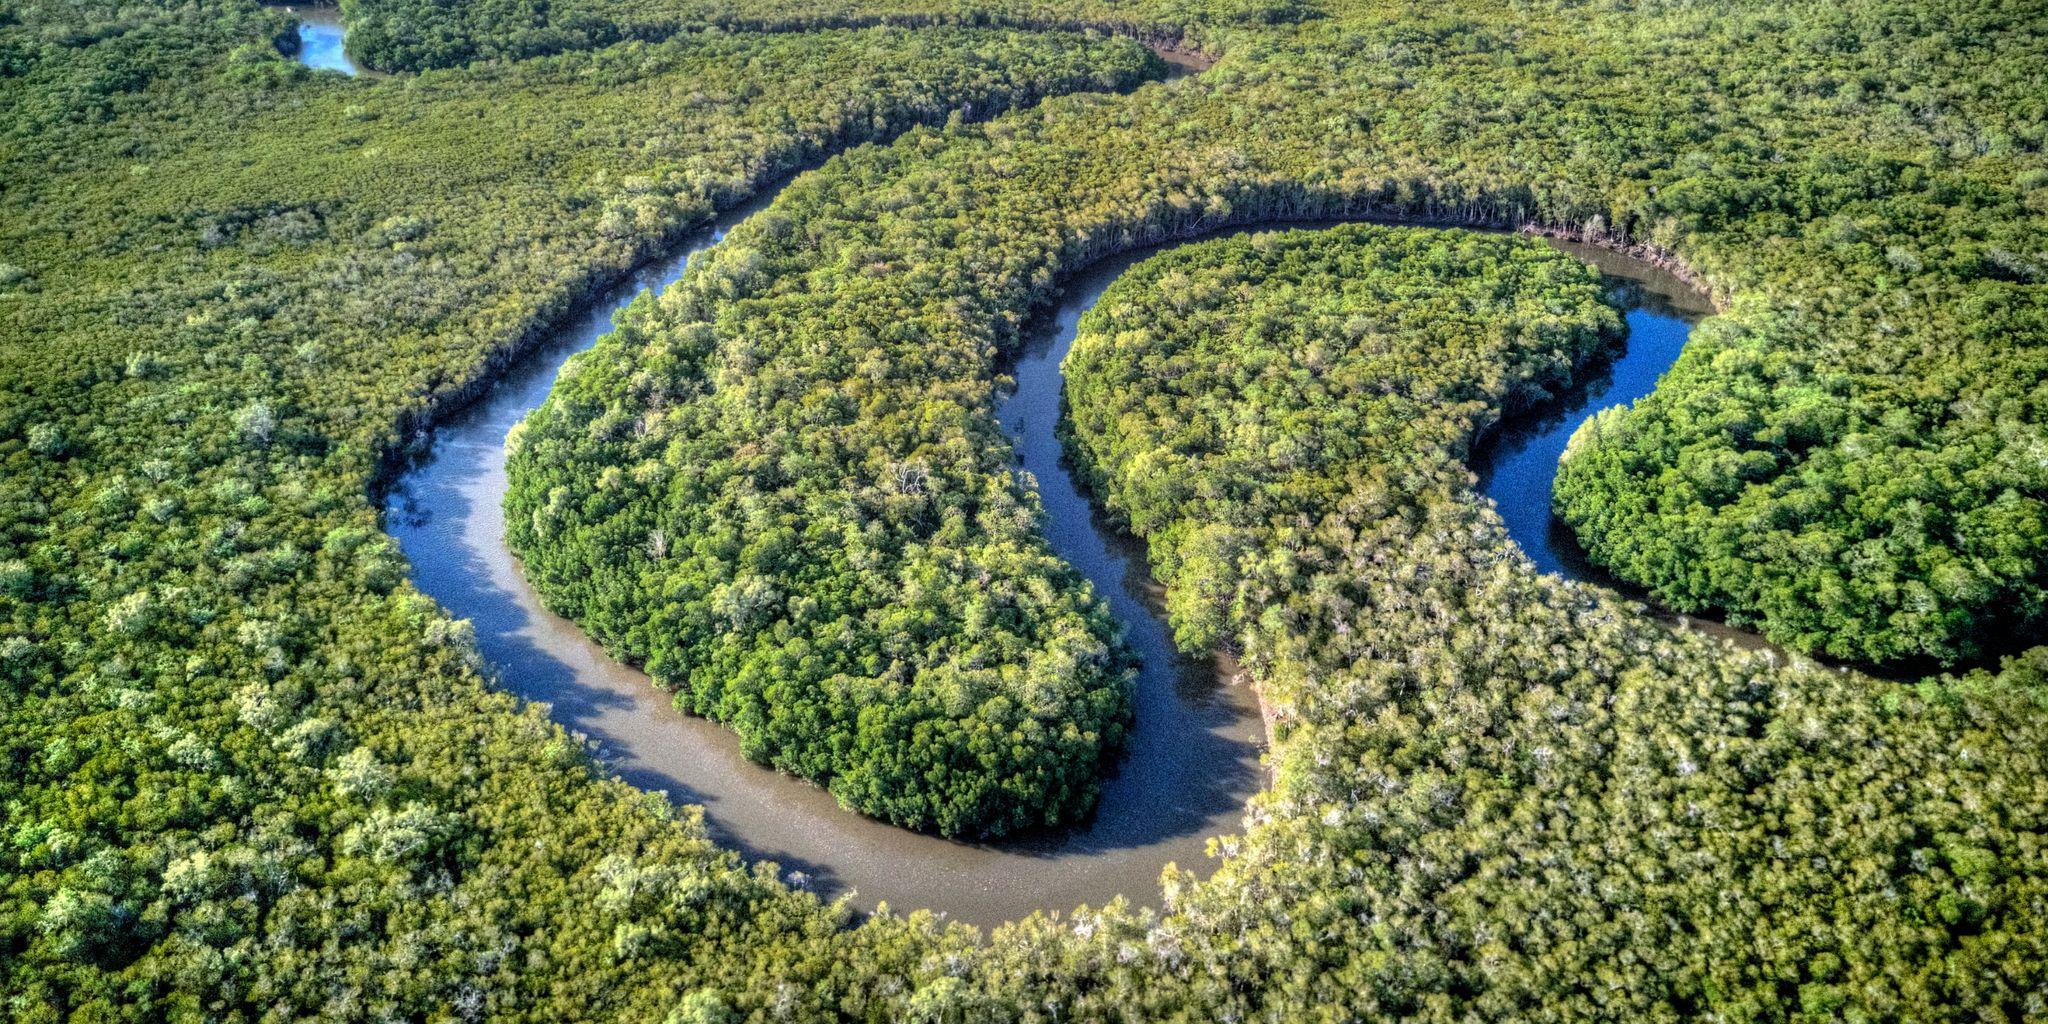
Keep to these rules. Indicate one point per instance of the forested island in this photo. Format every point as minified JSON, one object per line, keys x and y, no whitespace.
{"x":253,"y":772}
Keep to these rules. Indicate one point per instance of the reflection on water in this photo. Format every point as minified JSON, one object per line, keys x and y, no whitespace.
{"x":320,"y":35}
{"x":1518,"y":464}
{"x":1194,"y":753}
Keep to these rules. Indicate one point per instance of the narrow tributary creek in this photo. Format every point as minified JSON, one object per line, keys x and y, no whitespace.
{"x":1194,"y":755}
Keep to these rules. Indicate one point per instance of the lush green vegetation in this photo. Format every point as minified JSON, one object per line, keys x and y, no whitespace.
{"x":1231,"y":384}
{"x":249,"y":773}
{"x":918,"y":259}
{"x":1878,"y":502}
{"x":1491,"y":779}
{"x":1927,"y":188}
{"x":420,"y":34}
{"x":270,"y":258}
{"x":938,"y":668}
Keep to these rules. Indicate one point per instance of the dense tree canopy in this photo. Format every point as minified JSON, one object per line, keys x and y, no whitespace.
{"x":419,"y":34}
{"x":1496,"y":786}
{"x":251,"y":774}
{"x":248,"y":770}
{"x":1874,"y":503}
{"x":1250,"y":378}
{"x":1774,"y":492}
{"x":939,"y":668}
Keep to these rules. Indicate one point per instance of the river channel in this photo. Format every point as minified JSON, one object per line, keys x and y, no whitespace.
{"x":1194,"y":756}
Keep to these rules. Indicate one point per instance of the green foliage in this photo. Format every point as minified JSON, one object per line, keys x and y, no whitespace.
{"x":416,"y":35}
{"x":826,"y":565}
{"x":1223,"y":385}
{"x":248,"y":772}
{"x":1877,"y":506}
{"x":1423,"y":762}
{"x":1500,"y":794}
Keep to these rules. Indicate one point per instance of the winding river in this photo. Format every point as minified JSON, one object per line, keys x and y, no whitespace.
{"x":1194,"y":756}
{"x":1195,"y":753}
{"x":1517,"y":465}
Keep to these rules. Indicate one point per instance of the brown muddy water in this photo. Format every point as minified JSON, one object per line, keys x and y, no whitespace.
{"x":1194,"y":756}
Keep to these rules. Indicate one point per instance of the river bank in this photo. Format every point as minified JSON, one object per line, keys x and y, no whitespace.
{"x":1194,"y":757}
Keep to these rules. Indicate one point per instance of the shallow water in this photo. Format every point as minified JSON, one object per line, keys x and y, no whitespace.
{"x":1194,"y":754}
{"x":320,"y":34}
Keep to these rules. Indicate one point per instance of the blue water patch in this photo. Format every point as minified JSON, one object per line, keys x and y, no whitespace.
{"x":320,"y":42}
{"x":1518,"y":466}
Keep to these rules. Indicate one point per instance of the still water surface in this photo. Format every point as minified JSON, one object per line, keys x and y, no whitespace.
{"x":320,"y":34}
{"x":1518,"y":465}
{"x":1194,"y":756}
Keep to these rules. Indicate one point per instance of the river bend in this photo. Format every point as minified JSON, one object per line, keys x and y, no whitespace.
{"x":1194,"y":755}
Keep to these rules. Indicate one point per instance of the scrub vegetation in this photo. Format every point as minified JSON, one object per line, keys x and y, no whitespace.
{"x":251,"y":774}
{"x":246,"y":770}
{"x":1488,"y":776}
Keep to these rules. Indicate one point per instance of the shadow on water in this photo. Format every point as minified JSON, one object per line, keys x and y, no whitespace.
{"x":1517,"y":463}
{"x":1194,"y":754}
